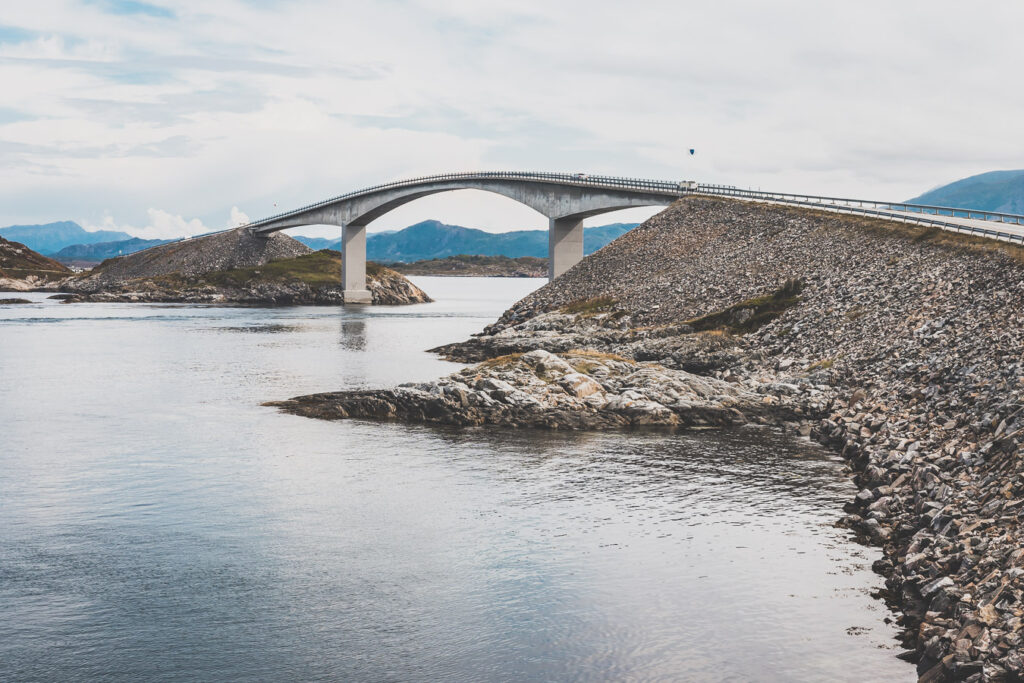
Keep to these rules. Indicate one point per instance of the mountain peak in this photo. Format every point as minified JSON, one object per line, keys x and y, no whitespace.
{"x":50,"y":238}
{"x":1001,"y":191}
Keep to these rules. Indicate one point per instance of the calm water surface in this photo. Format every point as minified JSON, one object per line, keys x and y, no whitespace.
{"x":158,"y":524}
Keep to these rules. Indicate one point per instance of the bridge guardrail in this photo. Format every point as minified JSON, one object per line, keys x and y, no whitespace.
{"x":952,"y":212}
{"x":906,"y":217}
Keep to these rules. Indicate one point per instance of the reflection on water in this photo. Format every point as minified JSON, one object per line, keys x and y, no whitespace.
{"x":259,"y":328}
{"x":159,"y":524}
{"x":353,"y":334}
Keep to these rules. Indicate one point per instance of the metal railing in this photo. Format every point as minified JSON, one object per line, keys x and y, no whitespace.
{"x":879,"y":210}
{"x":952,"y":212}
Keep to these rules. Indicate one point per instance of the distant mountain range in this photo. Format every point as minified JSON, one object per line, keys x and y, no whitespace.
{"x":1001,"y":191}
{"x":68,"y":242}
{"x":52,"y":237}
{"x":433,"y":240}
{"x":101,"y":251}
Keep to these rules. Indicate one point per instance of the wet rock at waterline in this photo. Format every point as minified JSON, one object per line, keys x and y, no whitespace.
{"x":575,"y":390}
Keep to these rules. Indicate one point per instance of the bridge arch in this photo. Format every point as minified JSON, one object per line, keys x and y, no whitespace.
{"x":565,"y":199}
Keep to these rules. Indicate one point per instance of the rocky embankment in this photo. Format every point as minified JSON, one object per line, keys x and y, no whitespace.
{"x":233,"y":268}
{"x":477,"y":266}
{"x":899,"y":346}
{"x":23,"y":270}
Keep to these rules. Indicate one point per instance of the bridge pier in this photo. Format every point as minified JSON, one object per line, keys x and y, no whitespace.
{"x":353,"y":264}
{"x":565,"y":244}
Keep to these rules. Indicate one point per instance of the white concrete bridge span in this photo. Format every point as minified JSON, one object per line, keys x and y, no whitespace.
{"x":567,"y":198}
{"x":564,"y":199}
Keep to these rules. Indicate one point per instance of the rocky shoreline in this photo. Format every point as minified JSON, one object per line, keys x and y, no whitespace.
{"x":572,"y":391}
{"x":898,"y":346}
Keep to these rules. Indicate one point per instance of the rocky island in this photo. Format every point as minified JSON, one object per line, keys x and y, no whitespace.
{"x":23,"y":270}
{"x":477,"y":266}
{"x":898,"y":346}
{"x":234,"y":268}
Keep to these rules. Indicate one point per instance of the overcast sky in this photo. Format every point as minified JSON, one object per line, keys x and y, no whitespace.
{"x":177,"y":117}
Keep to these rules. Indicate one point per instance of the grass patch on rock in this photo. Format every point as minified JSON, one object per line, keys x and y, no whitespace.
{"x":749,"y":315}
{"x":318,"y":268}
{"x":601,"y":304}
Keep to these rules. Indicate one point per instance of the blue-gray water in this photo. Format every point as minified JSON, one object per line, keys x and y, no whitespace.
{"x":158,"y":524}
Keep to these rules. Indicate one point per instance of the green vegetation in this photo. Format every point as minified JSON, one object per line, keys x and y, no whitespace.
{"x":318,"y":268}
{"x":749,"y":315}
{"x":587,"y":307}
{"x":474,"y":264}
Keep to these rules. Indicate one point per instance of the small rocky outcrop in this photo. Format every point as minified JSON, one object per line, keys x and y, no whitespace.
{"x":569,"y":391}
{"x":23,"y":270}
{"x":389,"y":287}
{"x":465,"y":265}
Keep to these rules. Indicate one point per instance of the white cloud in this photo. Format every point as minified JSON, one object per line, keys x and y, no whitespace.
{"x":198,"y":114}
{"x":237,"y":218}
{"x":161,"y":225}
{"x":166,"y":225}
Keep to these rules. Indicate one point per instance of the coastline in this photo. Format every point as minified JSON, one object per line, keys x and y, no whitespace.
{"x":898,"y":347}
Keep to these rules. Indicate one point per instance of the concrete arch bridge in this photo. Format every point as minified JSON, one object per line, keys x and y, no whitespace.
{"x":567,"y":198}
{"x":564,"y":198}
